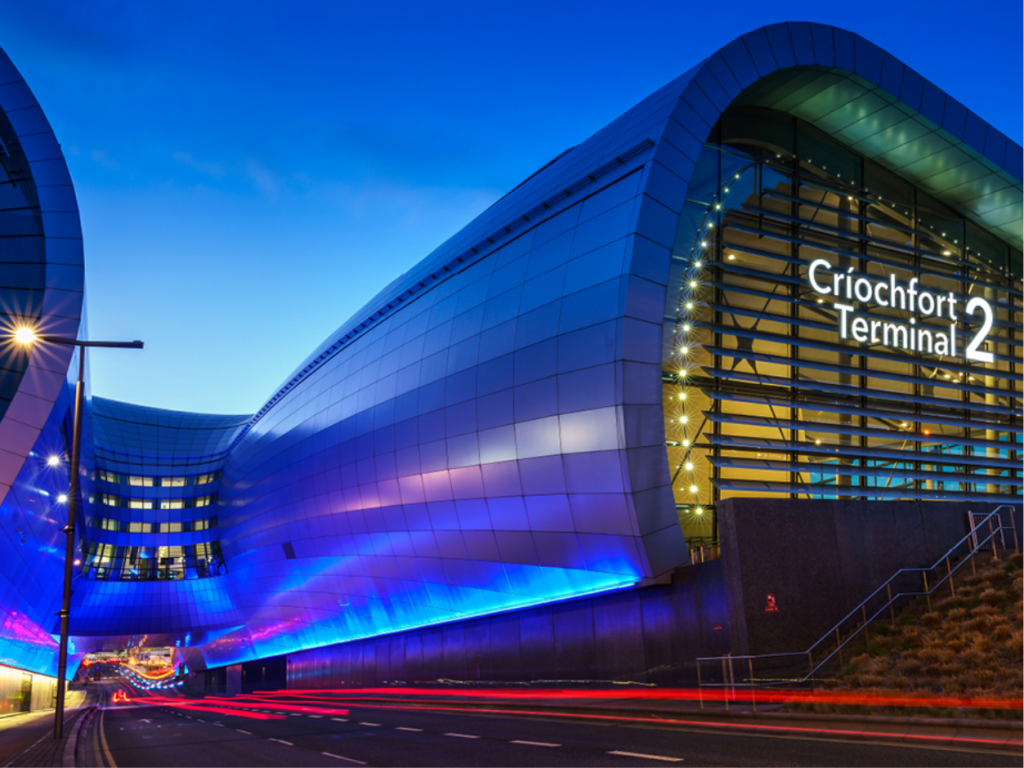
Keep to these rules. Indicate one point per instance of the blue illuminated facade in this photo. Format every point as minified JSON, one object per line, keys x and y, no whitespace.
{"x":498,"y":428}
{"x":42,"y":285}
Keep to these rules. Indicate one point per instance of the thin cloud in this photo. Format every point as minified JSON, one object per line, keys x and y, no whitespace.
{"x":213,"y":170}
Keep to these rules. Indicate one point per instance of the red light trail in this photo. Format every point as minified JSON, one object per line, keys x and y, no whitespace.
{"x":671,"y":694}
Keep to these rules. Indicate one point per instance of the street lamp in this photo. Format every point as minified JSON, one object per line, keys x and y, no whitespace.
{"x":27,"y":336}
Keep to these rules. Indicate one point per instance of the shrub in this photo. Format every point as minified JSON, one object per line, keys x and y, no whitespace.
{"x":899,"y":683}
{"x":993,"y":597}
{"x":967,"y":679}
{"x":953,"y":686}
{"x":875,"y":648}
{"x":1016,"y":643}
{"x":994,"y":578}
{"x":910,"y":635}
{"x":977,"y":624}
{"x":982,"y":643}
{"x":956,"y":615}
{"x":956,"y":643}
{"x":931,"y":619}
{"x":907,"y":666}
{"x":1001,"y":631}
{"x":972,"y":656}
{"x":985,"y":677}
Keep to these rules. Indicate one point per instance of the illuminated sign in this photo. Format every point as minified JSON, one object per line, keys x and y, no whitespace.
{"x":909,"y":336}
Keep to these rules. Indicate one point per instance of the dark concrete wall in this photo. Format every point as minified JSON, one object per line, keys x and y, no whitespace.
{"x":652,"y":634}
{"x":821,"y":558}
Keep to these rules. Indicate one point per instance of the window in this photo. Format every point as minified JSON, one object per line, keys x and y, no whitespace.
{"x":125,"y":526}
{"x":760,"y":392}
{"x":178,"y":481}
{"x":105,"y":561}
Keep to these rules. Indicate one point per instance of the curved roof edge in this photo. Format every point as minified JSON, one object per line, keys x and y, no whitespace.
{"x":695,"y":99}
{"x":144,"y":431}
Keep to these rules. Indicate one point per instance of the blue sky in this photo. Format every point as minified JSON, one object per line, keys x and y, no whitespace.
{"x":250,"y":173}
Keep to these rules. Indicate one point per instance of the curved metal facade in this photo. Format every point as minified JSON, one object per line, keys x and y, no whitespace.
{"x":153,"y":563}
{"x":41,"y":284}
{"x":488,"y":433}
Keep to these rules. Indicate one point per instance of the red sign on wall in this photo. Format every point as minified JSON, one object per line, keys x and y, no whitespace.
{"x":772,"y":607}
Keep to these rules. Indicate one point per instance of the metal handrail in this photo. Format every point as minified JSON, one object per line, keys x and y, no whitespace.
{"x":834,"y":634}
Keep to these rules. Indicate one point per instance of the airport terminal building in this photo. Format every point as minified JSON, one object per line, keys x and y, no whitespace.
{"x":793,"y":273}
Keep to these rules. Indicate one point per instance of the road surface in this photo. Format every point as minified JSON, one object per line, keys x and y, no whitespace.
{"x":282,"y":731}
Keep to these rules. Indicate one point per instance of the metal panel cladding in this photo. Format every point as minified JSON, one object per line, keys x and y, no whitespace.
{"x":489,"y":431}
{"x":41,"y":287}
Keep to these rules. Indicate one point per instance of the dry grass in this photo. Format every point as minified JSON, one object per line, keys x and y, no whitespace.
{"x":970,"y":644}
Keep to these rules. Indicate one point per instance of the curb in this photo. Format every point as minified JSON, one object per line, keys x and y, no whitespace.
{"x":71,"y":742}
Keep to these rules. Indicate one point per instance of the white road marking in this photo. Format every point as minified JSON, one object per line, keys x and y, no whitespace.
{"x":219,"y":725}
{"x":339,"y":757}
{"x":414,"y":730}
{"x":372,"y":725}
{"x":315,"y":717}
{"x":535,"y":743}
{"x":462,"y":735}
{"x":339,"y":719}
{"x":247,"y":733}
{"x":648,"y":757}
{"x":294,"y":714}
{"x":282,"y":741}
{"x":200,"y":720}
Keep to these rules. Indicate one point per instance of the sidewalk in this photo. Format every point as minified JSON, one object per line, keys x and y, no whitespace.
{"x":27,"y":740}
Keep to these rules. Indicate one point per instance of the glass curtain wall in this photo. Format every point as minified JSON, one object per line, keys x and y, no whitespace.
{"x":771,"y":387}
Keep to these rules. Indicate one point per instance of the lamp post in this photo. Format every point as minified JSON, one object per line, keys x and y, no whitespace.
{"x":28,"y":337}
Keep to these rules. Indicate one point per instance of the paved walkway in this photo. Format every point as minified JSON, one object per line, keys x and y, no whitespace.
{"x":27,"y":739}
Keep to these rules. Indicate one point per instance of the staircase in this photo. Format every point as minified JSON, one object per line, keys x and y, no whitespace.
{"x":912,"y":589}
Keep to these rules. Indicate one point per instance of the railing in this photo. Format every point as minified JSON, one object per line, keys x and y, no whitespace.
{"x":801,"y":668}
{"x":705,"y":551}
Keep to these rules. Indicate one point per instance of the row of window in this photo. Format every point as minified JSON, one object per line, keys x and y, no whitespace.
{"x":766,"y":392}
{"x":124,"y":526}
{"x":114,"y":563}
{"x":157,"y":482}
{"x":120,"y":501}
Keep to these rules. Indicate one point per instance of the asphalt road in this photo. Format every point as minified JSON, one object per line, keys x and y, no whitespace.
{"x":147,"y":735}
